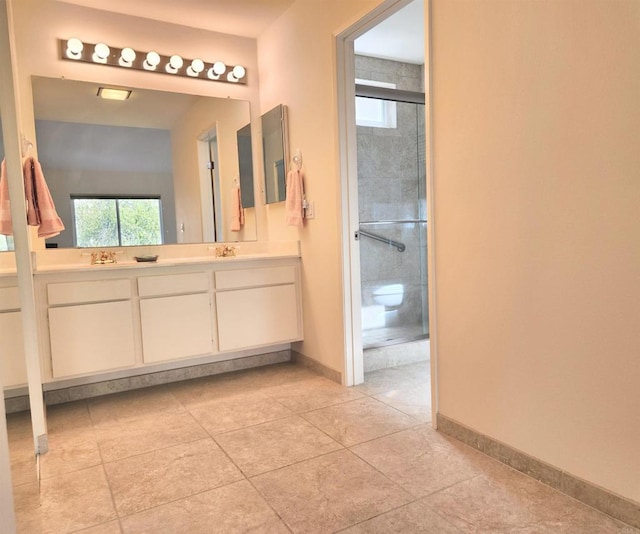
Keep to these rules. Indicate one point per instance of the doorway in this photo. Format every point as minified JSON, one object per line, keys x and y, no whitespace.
{"x":375,"y":293}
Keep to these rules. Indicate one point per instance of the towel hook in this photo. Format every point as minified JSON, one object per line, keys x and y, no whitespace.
{"x":26,"y":146}
{"x":297,"y":159}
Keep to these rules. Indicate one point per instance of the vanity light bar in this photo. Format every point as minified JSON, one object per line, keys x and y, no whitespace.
{"x":128,"y":58}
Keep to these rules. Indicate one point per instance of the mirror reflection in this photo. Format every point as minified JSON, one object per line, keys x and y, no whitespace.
{"x":275,"y":150}
{"x":154,"y":168}
{"x":6,"y":241}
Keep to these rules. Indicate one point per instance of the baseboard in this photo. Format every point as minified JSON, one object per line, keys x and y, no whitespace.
{"x":316,"y":366}
{"x":591,"y":494}
{"x":116,"y":385}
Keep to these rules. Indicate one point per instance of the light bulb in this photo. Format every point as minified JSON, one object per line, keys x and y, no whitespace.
{"x":126,"y":57}
{"x":196,"y":67}
{"x":74,"y":48}
{"x":152,"y":60}
{"x":231,"y":77}
{"x":239,"y":72}
{"x":219,"y":68}
{"x":174,"y":65}
{"x":212,"y":75}
{"x":100,"y":53}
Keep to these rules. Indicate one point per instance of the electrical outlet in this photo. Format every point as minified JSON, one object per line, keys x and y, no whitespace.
{"x":310,"y":211}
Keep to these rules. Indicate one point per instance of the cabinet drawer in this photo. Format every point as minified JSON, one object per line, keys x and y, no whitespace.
{"x":9,"y":298}
{"x":258,"y":316}
{"x":268,"y":276}
{"x":172,"y":284}
{"x":85,"y":292}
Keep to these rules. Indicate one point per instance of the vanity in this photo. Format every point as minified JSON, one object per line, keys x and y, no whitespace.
{"x":190,"y":307}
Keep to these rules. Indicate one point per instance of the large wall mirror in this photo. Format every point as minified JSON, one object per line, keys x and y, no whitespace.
{"x":154,"y":168}
{"x":275,"y":150}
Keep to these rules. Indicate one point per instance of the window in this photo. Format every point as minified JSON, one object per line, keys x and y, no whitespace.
{"x":375,"y":112}
{"x":6,"y":243}
{"x":112,"y":222}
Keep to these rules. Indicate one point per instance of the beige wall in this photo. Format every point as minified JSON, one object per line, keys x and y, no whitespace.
{"x":201,"y":117}
{"x":40,"y":23}
{"x":297,"y":62}
{"x":536,"y":144}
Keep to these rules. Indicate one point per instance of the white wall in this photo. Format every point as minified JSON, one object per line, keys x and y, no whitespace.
{"x":536,"y":144}
{"x":297,"y":62}
{"x":40,"y":23}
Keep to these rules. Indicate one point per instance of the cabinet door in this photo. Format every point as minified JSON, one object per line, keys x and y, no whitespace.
{"x":91,"y":337}
{"x":13,"y":370}
{"x":176,"y":327}
{"x":258,"y":316}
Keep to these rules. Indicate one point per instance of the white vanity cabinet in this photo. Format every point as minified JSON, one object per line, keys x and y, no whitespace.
{"x":91,"y":327}
{"x":175,"y":316}
{"x":13,"y":369}
{"x":100,"y":323}
{"x":257,"y":307}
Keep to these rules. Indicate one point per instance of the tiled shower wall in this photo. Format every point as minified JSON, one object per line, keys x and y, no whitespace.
{"x":391,"y":182}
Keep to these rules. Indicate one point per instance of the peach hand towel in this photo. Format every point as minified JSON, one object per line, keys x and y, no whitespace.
{"x":40,"y":208}
{"x":237,"y":212}
{"x":293,"y":203}
{"x":5,"y":207}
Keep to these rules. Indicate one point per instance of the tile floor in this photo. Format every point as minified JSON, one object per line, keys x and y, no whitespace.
{"x":273,"y":450}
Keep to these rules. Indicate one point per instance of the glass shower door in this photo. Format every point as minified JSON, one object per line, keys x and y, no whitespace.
{"x":392,"y":233}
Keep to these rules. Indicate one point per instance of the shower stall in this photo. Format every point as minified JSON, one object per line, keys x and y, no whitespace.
{"x":392,"y":216}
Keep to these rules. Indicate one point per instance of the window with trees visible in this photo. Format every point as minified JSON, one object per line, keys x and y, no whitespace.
{"x":112,"y":222}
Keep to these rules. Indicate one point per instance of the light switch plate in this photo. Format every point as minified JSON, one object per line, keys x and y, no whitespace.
{"x":310,"y":211}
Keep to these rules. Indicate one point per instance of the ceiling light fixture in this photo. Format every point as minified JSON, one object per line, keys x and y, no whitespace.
{"x":76,"y":50}
{"x":110,"y":93}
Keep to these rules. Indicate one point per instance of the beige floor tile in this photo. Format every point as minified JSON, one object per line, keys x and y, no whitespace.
{"x":26,"y":503}
{"x":23,"y":461}
{"x":224,"y":415}
{"x":133,"y":405}
{"x":513,"y":502}
{"x":70,"y":451}
{"x":275,"y":444}
{"x":112,"y":527}
{"x":415,"y":401}
{"x":359,"y":420}
{"x":75,"y":501}
{"x":227,"y":386}
{"x":236,"y":508}
{"x":423,"y":461}
{"x":312,"y":394}
{"x":396,"y":378}
{"x":328,"y":493}
{"x":68,"y":418}
{"x":19,"y":425}
{"x":119,"y":440}
{"x":413,"y":518}
{"x":165,"y":475}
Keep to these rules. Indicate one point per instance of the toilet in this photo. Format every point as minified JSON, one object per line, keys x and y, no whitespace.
{"x":390,"y":296}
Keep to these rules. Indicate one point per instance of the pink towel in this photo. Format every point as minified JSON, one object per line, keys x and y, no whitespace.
{"x":237,"y":212}
{"x":293,"y":203}
{"x":40,"y":209}
{"x":5,"y":207}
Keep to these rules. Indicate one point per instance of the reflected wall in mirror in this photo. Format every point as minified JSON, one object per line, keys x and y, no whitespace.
{"x":275,"y":149}
{"x":141,"y":171}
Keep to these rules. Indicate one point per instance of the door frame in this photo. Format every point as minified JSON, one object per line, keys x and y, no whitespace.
{"x":351,"y":281}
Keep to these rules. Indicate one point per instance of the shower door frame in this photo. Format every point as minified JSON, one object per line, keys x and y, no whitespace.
{"x":352,"y":291}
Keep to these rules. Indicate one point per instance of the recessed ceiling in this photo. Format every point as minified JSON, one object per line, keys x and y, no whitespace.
{"x":399,"y":37}
{"x":73,"y":101}
{"x":247,"y":18}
